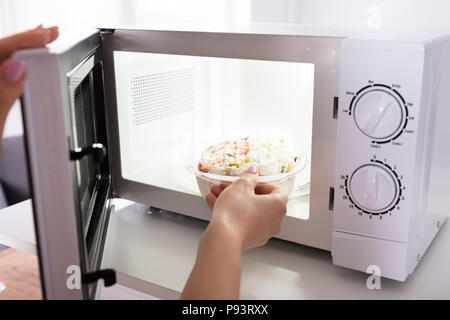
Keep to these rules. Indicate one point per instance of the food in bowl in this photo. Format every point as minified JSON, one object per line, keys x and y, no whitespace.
{"x":274,"y":160}
{"x":232,"y":157}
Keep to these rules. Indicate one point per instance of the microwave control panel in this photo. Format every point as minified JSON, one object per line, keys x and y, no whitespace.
{"x":374,"y":189}
{"x":379,"y":104}
{"x":379,"y":112}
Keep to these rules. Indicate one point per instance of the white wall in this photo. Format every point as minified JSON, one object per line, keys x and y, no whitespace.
{"x":356,"y":13}
{"x":17,"y":15}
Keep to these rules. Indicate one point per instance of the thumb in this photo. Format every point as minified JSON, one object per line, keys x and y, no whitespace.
{"x":249,"y":178}
{"x":12,"y":79}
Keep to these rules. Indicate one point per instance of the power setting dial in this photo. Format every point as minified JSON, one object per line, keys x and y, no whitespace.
{"x":379,"y":112}
{"x":374,"y":189}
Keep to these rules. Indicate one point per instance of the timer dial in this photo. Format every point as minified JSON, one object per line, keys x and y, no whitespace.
{"x":379,"y":113}
{"x":373,"y":188}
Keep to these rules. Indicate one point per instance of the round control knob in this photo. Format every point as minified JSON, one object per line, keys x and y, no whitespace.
{"x":378,"y":113}
{"x":373,"y":188}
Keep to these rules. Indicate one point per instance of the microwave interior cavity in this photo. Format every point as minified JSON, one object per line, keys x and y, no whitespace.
{"x":172,"y":107}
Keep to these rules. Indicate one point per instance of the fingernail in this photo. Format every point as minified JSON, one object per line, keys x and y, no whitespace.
{"x":13,"y":70}
{"x":251,"y":170}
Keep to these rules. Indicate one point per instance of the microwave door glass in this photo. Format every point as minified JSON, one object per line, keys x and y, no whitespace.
{"x":83,"y":134}
{"x":170,"y":108}
{"x":91,"y":171}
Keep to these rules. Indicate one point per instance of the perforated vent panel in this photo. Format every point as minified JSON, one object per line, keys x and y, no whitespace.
{"x":161,"y":95}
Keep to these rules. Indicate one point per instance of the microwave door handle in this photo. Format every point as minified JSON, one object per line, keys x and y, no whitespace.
{"x":96,"y":150}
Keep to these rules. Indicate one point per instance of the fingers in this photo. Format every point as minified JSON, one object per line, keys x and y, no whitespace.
{"x":265,"y":188}
{"x":270,"y":189}
{"x":277,"y":204}
{"x":12,"y":79}
{"x":210,"y":200}
{"x":35,"y":38}
{"x":224,"y":185}
{"x":274,"y":197}
{"x":54,"y":33}
{"x":247,"y":182}
{"x":216,"y":189}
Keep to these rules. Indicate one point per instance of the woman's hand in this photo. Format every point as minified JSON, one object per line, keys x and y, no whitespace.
{"x":246,"y":211}
{"x":245,"y":215}
{"x":12,"y":71}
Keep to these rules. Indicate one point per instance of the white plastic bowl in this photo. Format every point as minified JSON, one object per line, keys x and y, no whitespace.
{"x":285,"y":181}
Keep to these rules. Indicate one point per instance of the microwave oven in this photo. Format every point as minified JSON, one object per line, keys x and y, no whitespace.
{"x":126,"y":113}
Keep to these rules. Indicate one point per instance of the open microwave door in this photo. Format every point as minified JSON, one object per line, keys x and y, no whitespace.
{"x":65,"y":131}
{"x":172,"y":94}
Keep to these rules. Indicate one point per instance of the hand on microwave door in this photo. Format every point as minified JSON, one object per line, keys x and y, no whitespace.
{"x":12,"y":71}
{"x":245,"y":215}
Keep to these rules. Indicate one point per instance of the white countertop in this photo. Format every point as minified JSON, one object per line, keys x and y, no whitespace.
{"x":154,"y":254}
{"x":160,"y":249}
{"x":17,"y":227}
